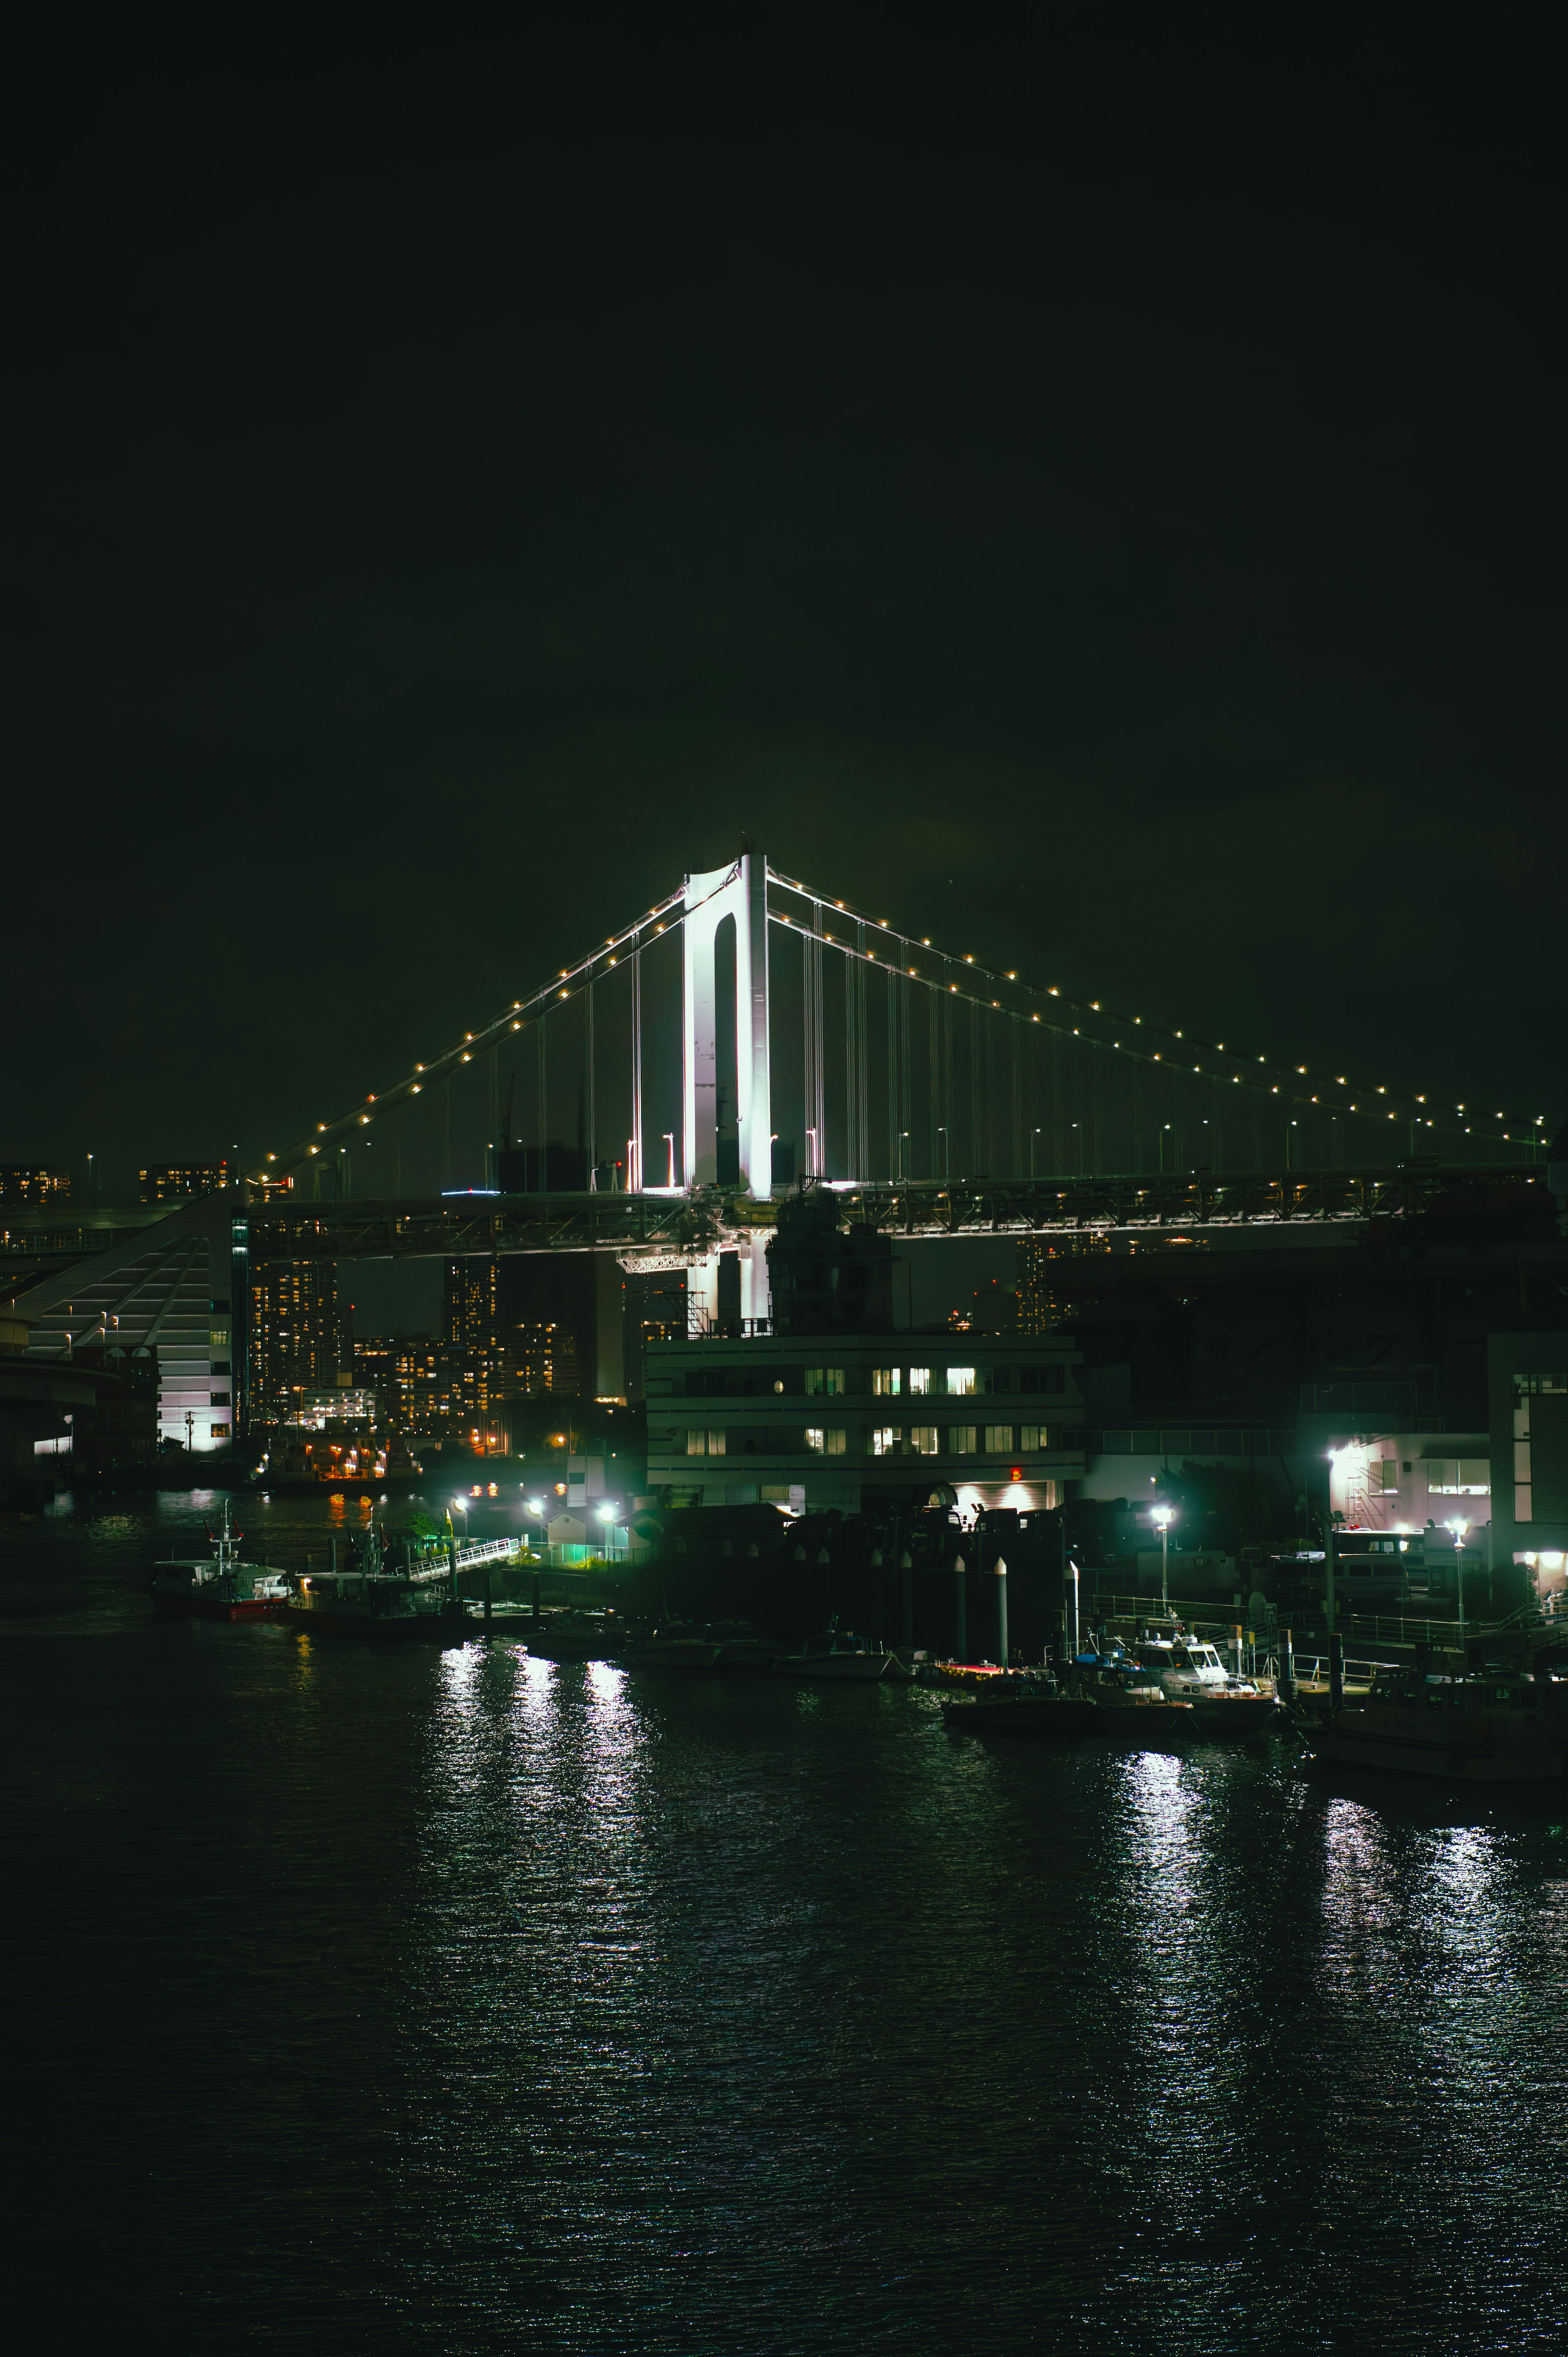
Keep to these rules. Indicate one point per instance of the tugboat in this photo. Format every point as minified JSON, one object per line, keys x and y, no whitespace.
{"x":1190,"y":1670}
{"x":1502,"y":1726}
{"x":367,"y":1600}
{"x":219,"y":1586}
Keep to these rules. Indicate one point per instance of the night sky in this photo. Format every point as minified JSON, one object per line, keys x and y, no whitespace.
{"x":1093,"y":495}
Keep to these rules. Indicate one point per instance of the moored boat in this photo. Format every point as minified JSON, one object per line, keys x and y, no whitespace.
{"x":573,"y":1636}
{"x":839,"y":1665}
{"x":220,"y":1586}
{"x":1189,"y":1670}
{"x":367,"y":1600}
{"x":1499,"y":1727}
{"x":665,"y":1651}
{"x":1130,"y":1705}
{"x":1018,"y":1705}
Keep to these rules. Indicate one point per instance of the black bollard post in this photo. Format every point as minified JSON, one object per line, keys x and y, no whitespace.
{"x":1288,"y":1669}
{"x":961,"y":1615}
{"x":1336,"y":1669}
{"x":906,"y":1596}
{"x":486,"y":1595}
{"x":1001,"y":1610}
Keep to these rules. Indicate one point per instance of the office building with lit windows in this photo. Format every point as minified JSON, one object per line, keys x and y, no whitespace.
{"x":177,"y":1182}
{"x":820,"y":1420}
{"x":32,"y":1182}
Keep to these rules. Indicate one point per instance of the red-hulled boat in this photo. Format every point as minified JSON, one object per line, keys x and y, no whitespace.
{"x":219,"y":1586}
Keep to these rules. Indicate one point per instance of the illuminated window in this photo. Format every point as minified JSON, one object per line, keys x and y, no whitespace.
{"x":923,"y":1440}
{"x":961,"y":1382}
{"x":814,"y":1439}
{"x":919,"y":1380}
{"x":831,"y":1440}
{"x":887,"y":1440}
{"x":884,"y":1382}
{"x":999,"y":1440}
{"x":960,"y":1439}
{"x":1032,"y":1437}
{"x":219,"y":1431}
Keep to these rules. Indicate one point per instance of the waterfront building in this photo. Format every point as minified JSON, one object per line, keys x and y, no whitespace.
{"x":1528,"y":1391}
{"x":177,"y":1182}
{"x":34,"y":1182}
{"x":818,"y":1420}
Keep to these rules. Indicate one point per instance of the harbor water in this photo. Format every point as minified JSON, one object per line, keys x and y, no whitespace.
{"x":451,"y":2001}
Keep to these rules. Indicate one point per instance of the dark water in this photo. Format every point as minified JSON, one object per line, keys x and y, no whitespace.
{"x":365,"y":2000}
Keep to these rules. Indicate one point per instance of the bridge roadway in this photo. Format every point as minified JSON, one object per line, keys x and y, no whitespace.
{"x":655,"y":1230}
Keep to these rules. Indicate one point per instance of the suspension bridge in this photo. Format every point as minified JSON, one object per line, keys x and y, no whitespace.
{"x":750,"y":1035}
{"x":750,"y":1031}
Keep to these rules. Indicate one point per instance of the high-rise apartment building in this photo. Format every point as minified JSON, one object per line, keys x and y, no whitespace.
{"x":540,"y":1356}
{"x":177,"y":1182}
{"x":410,"y":1376}
{"x":1041,"y":1307}
{"x":297,"y":1336}
{"x":473,"y":1342}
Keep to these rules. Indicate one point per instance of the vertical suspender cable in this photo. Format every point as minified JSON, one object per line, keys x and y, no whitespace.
{"x":978,"y":1158}
{"x":634,"y":1176}
{"x":906,"y":1088}
{"x":588,"y":1085}
{"x":544,"y":1172}
{"x":1019,"y":1166}
{"x":895,"y":1114}
{"x":934,"y":1088}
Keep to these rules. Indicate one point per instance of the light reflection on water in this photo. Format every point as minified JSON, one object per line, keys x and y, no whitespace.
{"x":475,"y":2001}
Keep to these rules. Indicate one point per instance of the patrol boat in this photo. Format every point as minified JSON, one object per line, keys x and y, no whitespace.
{"x":219,"y":1586}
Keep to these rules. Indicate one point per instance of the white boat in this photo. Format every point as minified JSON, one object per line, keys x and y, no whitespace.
{"x":1189,"y":1670}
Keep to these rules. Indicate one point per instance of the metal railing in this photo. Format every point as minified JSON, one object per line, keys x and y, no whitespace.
{"x":485,"y":1551}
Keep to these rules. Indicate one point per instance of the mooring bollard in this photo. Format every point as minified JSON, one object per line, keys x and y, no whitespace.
{"x":1001,"y":1610}
{"x":961,"y":1644}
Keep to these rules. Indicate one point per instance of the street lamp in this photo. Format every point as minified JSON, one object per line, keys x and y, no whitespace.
{"x":1460,"y":1526}
{"x":1163,"y":1518}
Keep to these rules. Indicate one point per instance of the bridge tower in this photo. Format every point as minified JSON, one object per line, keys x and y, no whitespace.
{"x":738,"y":892}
